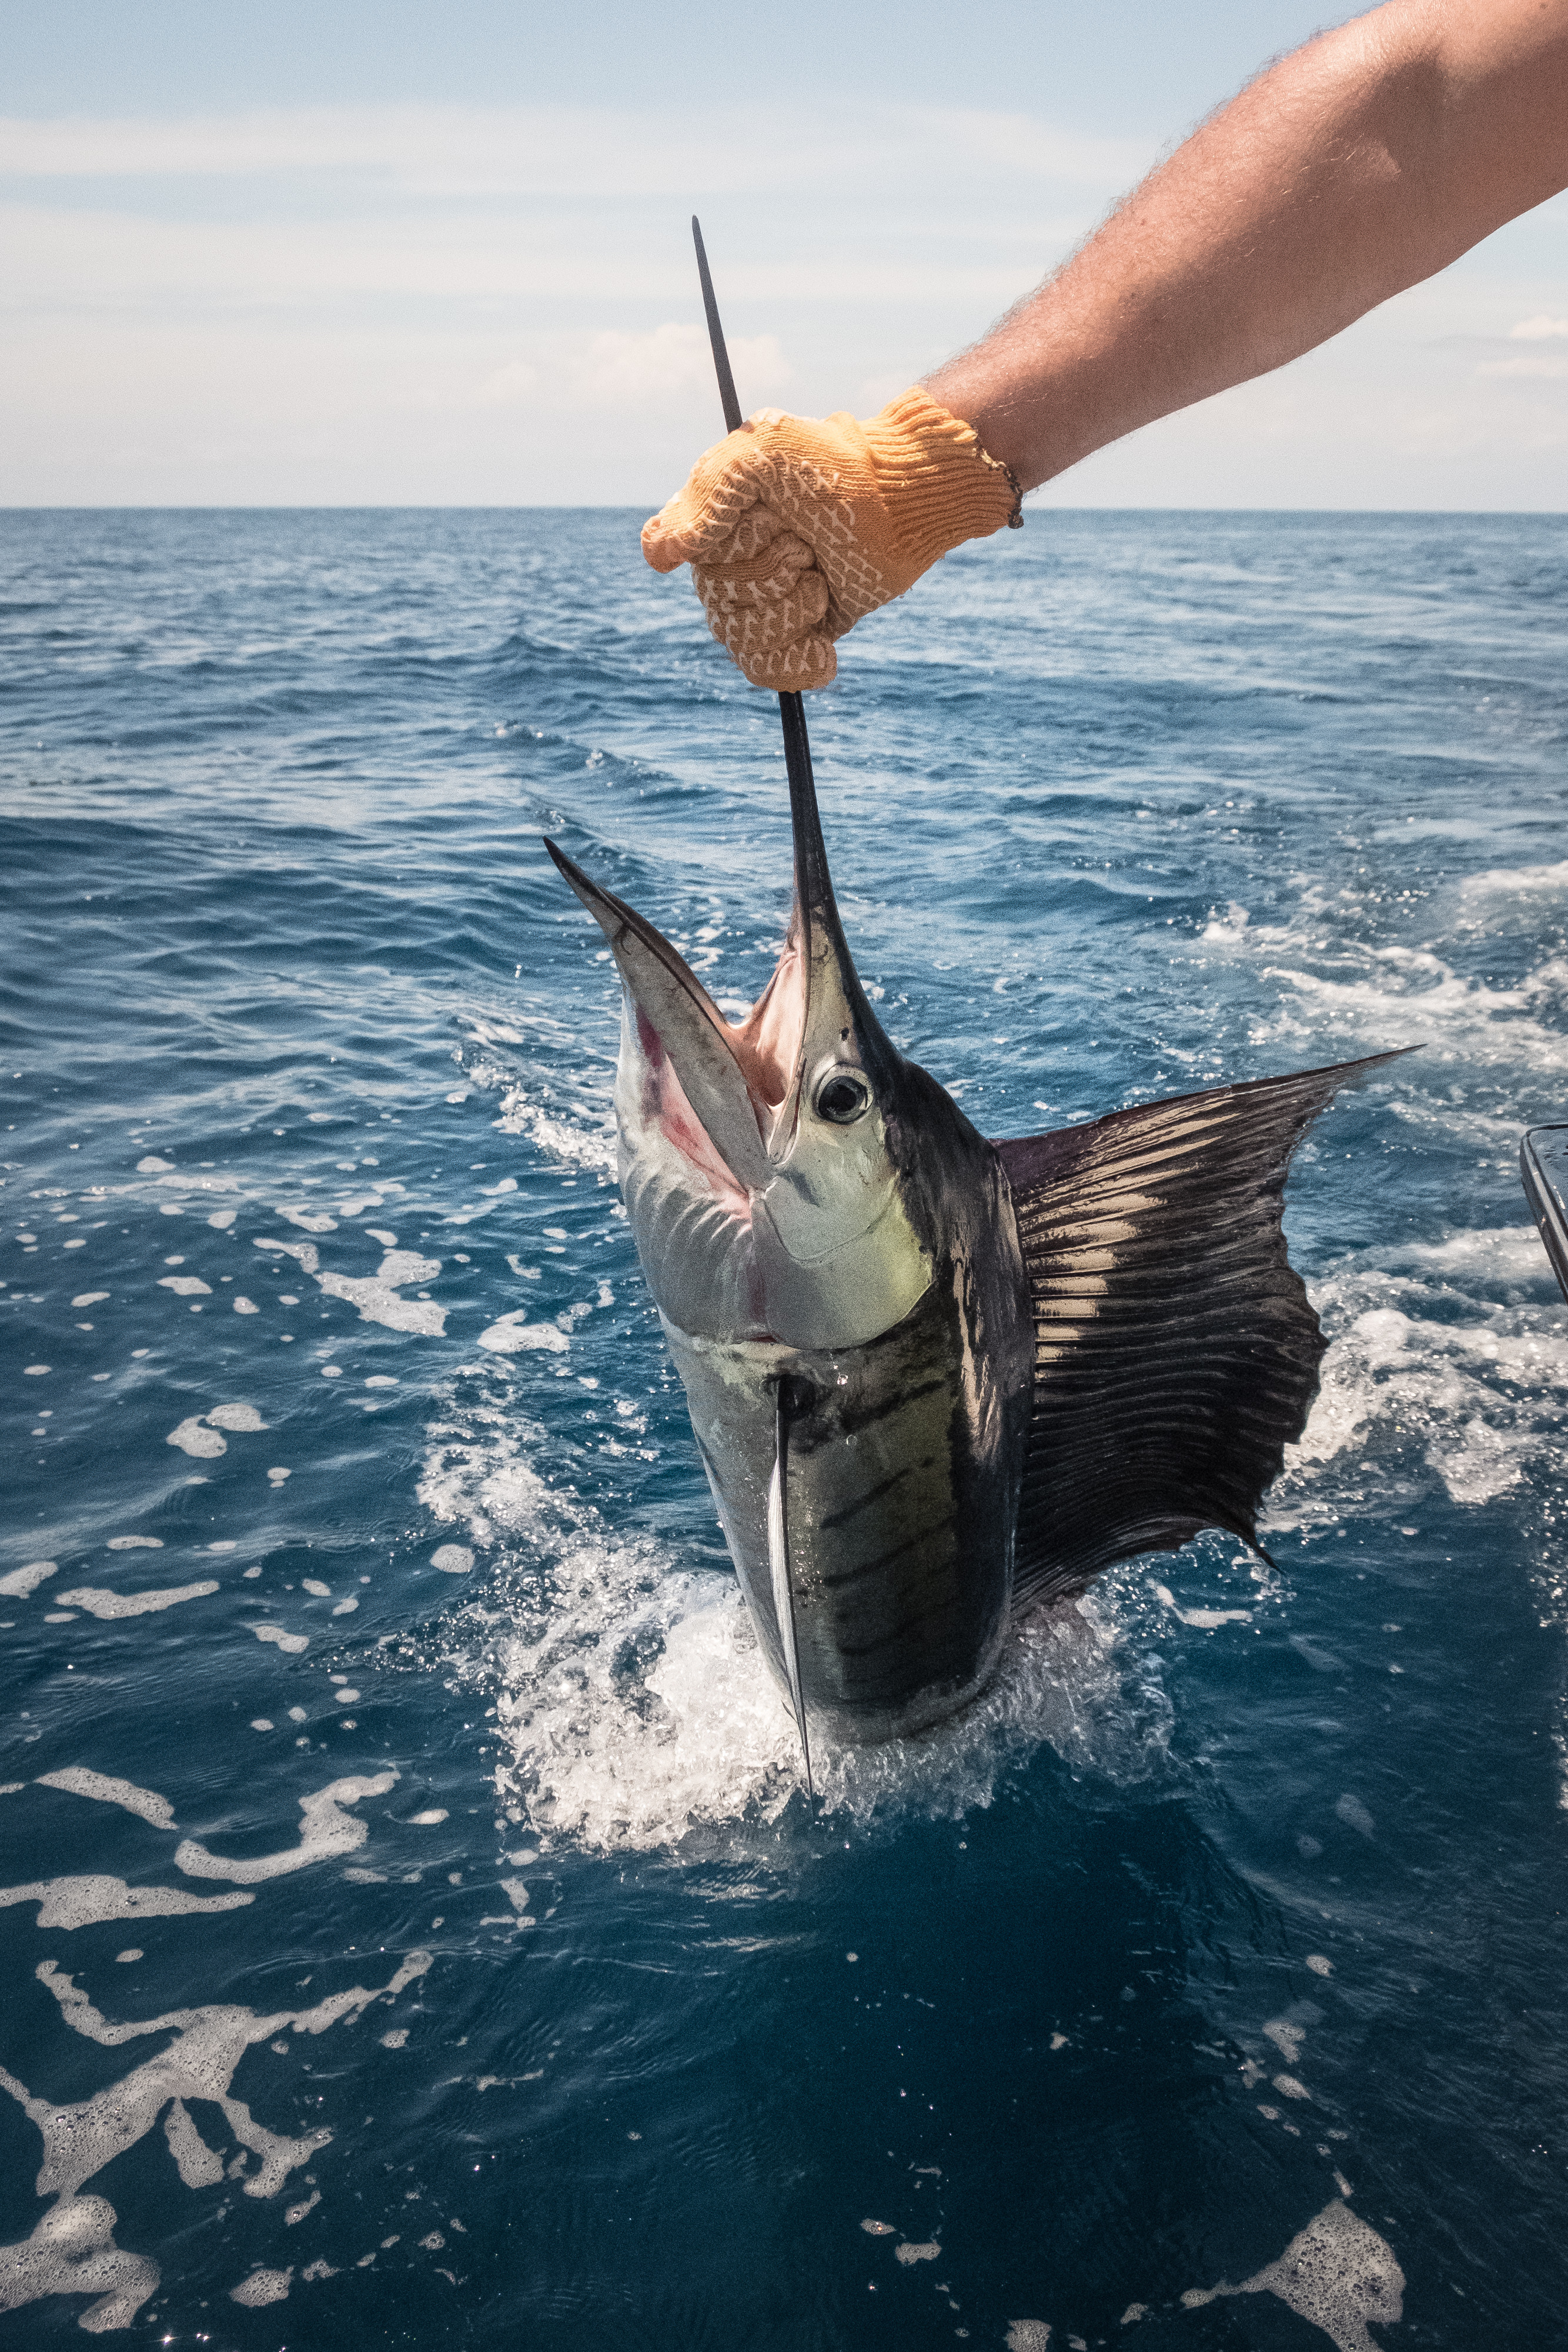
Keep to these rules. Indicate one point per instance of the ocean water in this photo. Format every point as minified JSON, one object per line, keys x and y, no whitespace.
{"x":413,"y":1930}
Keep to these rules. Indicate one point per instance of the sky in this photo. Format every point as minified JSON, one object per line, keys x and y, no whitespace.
{"x":364,"y":252}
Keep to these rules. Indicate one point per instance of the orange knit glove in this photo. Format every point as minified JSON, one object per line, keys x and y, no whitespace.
{"x":797,"y":527}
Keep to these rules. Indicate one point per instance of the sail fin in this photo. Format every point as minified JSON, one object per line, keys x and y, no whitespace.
{"x":1176,"y":1352}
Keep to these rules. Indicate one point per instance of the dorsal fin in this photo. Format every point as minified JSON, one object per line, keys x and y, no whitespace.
{"x":1176,"y":1353}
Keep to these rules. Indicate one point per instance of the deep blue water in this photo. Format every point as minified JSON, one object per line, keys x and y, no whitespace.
{"x":1238,"y":1904}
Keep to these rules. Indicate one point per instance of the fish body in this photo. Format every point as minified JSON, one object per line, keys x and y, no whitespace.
{"x":903,"y":1467}
{"x":935,"y":1379}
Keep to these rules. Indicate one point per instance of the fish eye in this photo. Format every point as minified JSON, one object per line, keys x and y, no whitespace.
{"x":842,"y":1098}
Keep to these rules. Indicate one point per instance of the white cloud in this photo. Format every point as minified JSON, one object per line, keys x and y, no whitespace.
{"x":600,"y":152}
{"x":1552,"y":370}
{"x":438,"y":304}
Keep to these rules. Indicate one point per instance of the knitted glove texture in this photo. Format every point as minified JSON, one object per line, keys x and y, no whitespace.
{"x":797,"y":527}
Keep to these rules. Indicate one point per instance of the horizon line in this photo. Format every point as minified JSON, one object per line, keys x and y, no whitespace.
{"x":621,"y":506}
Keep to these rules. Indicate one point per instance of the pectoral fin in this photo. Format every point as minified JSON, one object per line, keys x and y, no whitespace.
{"x":786,"y":1404}
{"x":1176,"y":1352}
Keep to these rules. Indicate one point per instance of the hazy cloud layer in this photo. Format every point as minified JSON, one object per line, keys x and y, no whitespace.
{"x":438,"y":303}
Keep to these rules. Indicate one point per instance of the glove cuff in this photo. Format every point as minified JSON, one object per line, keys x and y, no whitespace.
{"x":939,"y":484}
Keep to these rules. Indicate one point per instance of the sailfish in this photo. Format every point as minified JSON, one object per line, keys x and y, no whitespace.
{"x":938,"y":1380}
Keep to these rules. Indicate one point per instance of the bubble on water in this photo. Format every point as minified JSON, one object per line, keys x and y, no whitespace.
{"x":1432,"y":1343}
{"x":18,"y":1582}
{"x":100,"y":1603}
{"x":564,"y":1139}
{"x":263,"y":2286}
{"x":636,"y":1709}
{"x":307,"y":1253}
{"x":510,"y":1334}
{"x":1205,"y":1621}
{"x":87,"y":1901}
{"x":291,"y":1643}
{"x":89,"y":1298}
{"x":327,"y":1830}
{"x":430,"y":1818}
{"x":279,"y":1475}
{"x":192,"y":1437}
{"x":454,"y":1559}
{"x":234,"y":1417}
{"x":1337,"y":2275}
{"x":199,"y":2167}
{"x":72,"y":2251}
{"x":1286,"y":2038}
{"x":243,"y":1306}
{"x":376,"y":1295}
{"x":78,"y":1780}
{"x":185,"y":1285}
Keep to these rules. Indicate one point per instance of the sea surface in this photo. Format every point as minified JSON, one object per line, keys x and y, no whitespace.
{"x":414,"y":1929}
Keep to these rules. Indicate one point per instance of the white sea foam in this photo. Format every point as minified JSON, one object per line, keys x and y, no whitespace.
{"x":244,"y":1417}
{"x":564,"y":1139}
{"x":327,"y":1831}
{"x":78,"y":1781}
{"x":100,"y":1603}
{"x":85,"y":1901}
{"x":262,"y":2286}
{"x":306,"y":1253}
{"x":510,"y":1334}
{"x":72,"y":2251}
{"x":19,"y":1581}
{"x":1432,"y":1342}
{"x":292,"y":1645}
{"x":376,"y":1295}
{"x":637,"y":1710}
{"x":1336,"y":994}
{"x":1337,"y":2273}
{"x":194,"y":1438}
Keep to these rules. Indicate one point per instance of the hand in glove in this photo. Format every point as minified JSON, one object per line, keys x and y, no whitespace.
{"x":796,"y":527}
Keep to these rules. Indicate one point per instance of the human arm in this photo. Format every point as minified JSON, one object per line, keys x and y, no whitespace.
{"x":1351,"y":169}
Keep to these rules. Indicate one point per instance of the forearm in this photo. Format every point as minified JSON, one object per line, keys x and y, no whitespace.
{"x":1353,"y":169}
